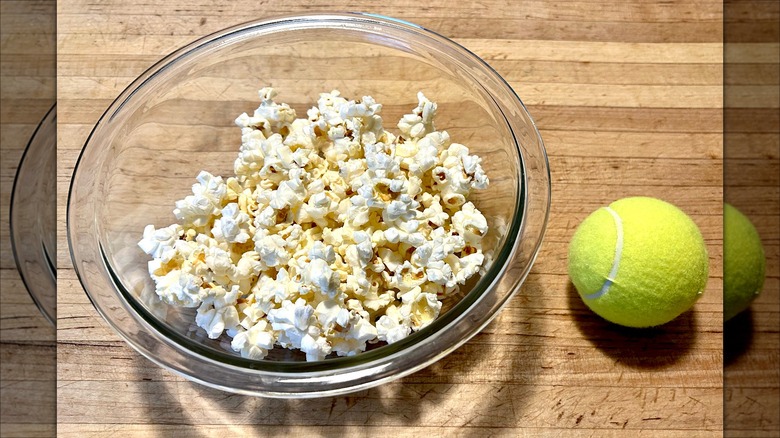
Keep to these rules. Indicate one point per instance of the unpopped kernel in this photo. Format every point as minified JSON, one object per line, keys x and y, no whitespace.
{"x":333,"y":234}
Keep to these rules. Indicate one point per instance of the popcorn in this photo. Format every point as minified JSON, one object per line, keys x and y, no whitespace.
{"x":269,"y":116}
{"x":470,"y":223}
{"x":360,"y":332}
{"x":291,"y":322}
{"x":255,"y":342}
{"x":333,"y":234}
{"x":433,"y":217}
{"x":421,"y":308}
{"x":160,"y":243}
{"x":331,"y":315}
{"x":233,"y":226}
{"x":318,"y":207}
{"x":453,"y":180}
{"x":268,"y":292}
{"x":218,"y":311}
{"x":468,"y":266}
{"x":316,"y":347}
{"x":179,"y":288}
{"x":318,"y":274}
{"x":420,"y":121}
{"x":392,"y":327}
{"x":219,"y":262}
{"x":204,"y":203}
{"x":272,"y":248}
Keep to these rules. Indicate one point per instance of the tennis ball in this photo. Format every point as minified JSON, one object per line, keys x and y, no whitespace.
{"x":640,"y":262}
{"x":744,"y":264}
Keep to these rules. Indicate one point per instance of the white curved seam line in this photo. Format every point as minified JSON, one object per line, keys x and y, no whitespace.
{"x":616,"y":261}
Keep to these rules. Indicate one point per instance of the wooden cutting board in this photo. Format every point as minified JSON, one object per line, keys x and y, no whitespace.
{"x":628,"y":98}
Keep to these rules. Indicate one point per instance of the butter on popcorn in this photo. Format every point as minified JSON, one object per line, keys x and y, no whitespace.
{"x":333,"y":234}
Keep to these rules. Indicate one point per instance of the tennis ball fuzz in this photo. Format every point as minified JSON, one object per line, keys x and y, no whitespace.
{"x":744,"y":262}
{"x":640,"y":262}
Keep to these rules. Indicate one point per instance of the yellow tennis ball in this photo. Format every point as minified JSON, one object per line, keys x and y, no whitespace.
{"x":744,"y":263}
{"x":640,"y":262}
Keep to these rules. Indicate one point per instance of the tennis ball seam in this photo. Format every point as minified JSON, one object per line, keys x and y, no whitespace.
{"x":616,"y":258}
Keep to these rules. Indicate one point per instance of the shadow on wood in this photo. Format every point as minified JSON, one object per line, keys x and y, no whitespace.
{"x":647,"y":348}
{"x":418,"y":398}
{"x":737,"y":337}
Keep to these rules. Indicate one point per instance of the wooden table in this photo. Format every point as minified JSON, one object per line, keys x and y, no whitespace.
{"x":628,"y":98}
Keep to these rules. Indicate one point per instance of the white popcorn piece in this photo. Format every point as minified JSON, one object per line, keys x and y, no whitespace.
{"x":468,"y":266}
{"x":318,"y":207}
{"x":217,"y":312}
{"x":453,"y":180}
{"x":233,"y":226}
{"x":272,"y":248}
{"x":316,"y":347}
{"x":204,"y":203}
{"x":319,"y":250}
{"x":406,"y":232}
{"x":249,"y":314}
{"x":269,"y":116}
{"x":391,"y":259}
{"x":392,"y":326}
{"x":179,"y":288}
{"x":301,"y":135}
{"x":440,"y":273}
{"x":434,"y":214}
{"x":351,"y":170}
{"x":404,"y":208}
{"x":250,"y":157}
{"x":333,"y":234}
{"x":363,"y":248}
{"x":420,"y":307}
{"x":255,"y":342}
{"x":359,"y":332}
{"x":247,"y":269}
{"x":291,"y":322}
{"x":420,"y":121}
{"x":332,"y":315}
{"x":470,"y":223}
{"x":321,"y":277}
{"x":160,"y":243}
{"x":266,"y":218}
{"x":409,"y":277}
{"x":270,"y":291}
{"x":219,"y":262}
{"x":288,"y":195}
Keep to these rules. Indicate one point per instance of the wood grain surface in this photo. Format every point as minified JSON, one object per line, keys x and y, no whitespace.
{"x":628,"y":99}
{"x":27,"y":340}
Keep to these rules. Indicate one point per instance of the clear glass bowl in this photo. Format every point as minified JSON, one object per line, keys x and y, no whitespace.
{"x":177,"y":118}
{"x":33,"y":216}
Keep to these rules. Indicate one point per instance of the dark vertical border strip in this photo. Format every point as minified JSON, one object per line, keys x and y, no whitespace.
{"x":751,"y":125}
{"x":28,"y":392}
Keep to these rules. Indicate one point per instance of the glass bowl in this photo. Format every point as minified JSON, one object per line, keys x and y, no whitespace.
{"x":33,"y":216}
{"x":177,"y":119}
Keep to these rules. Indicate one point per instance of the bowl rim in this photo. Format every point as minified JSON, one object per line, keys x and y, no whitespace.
{"x":366,"y":359}
{"x":48,"y":262}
